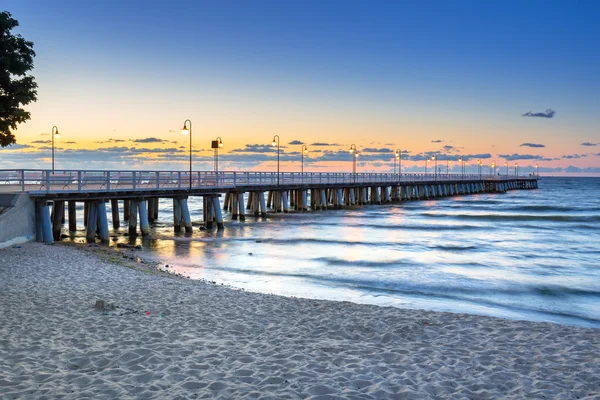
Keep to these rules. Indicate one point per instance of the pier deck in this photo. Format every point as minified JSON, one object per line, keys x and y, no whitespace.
{"x":139,"y":192}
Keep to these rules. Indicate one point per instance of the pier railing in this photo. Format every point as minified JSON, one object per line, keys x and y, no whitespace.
{"x":74,"y":181}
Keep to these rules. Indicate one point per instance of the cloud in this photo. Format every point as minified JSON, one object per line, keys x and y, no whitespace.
{"x":324,"y":144}
{"x":516,"y":157}
{"x":70,"y":142}
{"x":574,"y":156}
{"x":376,"y":150}
{"x":437,"y":141}
{"x":448,"y":148}
{"x":152,"y":140}
{"x":589,"y":144}
{"x":548,"y":114}
{"x":295,"y":142}
{"x":16,"y":146}
{"x":532,"y":145}
{"x":111,"y":140}
{"x":256,"y":148}
{"x":42,"y":141}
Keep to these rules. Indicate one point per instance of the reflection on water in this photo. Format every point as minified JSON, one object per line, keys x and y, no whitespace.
{"x":524,"y":254}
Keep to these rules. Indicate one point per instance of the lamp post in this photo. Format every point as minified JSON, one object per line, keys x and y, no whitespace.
{"x":516,"y":169}
{"x":537,"y":170}
{"x":448,"y":167}
{"x":353,"y":151}
{"x":480,"y":167}
{"x":185,"y":131}
{"x":399,"y":164}
{"x":435,"y":167}
{"x":303,"y":151}
{"x":426,"y":165}
{"x":506,"y":165}
{"x":493,"y":168}
{"x":397,"y":156}
{"x":462,"y":166}
{"x":54,"y":133}
{"x":216,"y":144}
{"x":466,"y":166}
{"x":276,"y":143}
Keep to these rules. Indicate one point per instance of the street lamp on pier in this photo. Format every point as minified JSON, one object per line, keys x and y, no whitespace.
{"x":516,"y":169}
{"x":276,"y":143}
{"x":216,"y":145}
{"x":435,"y":166}
{"x":426,"y":165}
{"x":303,"y":151}
{"x":54,"y":133}
{"x":354,"y":153}
{"x":462,"y":166}
{"x":537,"y":170}
{"x":506,"y":165}
{"x":448,"y":167}
{"x":185,"y":131}
{"x":398,"y":156}
{"x":480,"y":167}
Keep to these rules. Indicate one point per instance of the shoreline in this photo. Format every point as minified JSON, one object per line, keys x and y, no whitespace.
{"x":209,"y":340}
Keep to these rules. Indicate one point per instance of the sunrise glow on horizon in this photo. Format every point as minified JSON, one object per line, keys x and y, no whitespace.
{"x":473,"y":80}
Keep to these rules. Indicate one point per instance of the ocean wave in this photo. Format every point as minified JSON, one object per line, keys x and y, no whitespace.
{"x":518,"y":217}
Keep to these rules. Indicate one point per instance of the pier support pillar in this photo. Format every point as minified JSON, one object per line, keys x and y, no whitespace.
{"x":132,"y":217}
{"x":263,"y":207}
{"x":233,"y":199}
{"x":242,"y":212}
{"x":185,"y":214}
{"x":45,"y":223}
{"x":177,"y":219}
{"x":72,"y":207}
{"x":114,"y":209}
{"x":102,"y":221}
{"x":208,"y":213}
{"x":90,"y":234}
{"x":284,"y":198}
{"x":58,"y":213}
{"x":217,"y":212}
{"x":144,"y":224}
{"x":126,"y":209}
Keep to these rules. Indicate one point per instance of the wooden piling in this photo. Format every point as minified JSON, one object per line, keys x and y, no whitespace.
{"x":72,"y":207}
{"x":57,"y":218}
{"x":45,"y":222}
{"x":114,"y":209}
{"x":217,"y":212}
{"x":126,"y":209}
{"x":102,"y":221}
{"x":185,"y":213}
{"x":132,"y":217}
{"x":90,"y":234}
{"x":242,"y":213}
{"x":177,"y":219}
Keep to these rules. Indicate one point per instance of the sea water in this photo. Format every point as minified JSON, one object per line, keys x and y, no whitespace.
{"x":524,"y":254}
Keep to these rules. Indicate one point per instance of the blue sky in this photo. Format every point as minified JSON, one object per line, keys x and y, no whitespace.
{"x":401,"y":74}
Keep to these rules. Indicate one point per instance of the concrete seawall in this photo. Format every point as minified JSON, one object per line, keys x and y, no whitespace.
{"x":17,"y":220}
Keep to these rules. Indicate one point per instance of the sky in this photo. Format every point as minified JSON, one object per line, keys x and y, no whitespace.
{"x":450,"y":78}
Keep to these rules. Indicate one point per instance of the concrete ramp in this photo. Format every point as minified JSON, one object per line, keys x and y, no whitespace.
{"x":17,"y":219}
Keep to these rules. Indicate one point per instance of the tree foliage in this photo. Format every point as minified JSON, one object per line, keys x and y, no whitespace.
{"x":17,"y":89}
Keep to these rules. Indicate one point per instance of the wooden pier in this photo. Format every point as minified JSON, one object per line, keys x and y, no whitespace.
{"x":137,"y":194}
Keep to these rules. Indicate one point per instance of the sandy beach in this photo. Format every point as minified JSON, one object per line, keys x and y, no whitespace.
{"x":173,"y":338}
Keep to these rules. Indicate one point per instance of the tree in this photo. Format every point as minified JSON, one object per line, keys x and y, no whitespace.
{"x":17,"y":89}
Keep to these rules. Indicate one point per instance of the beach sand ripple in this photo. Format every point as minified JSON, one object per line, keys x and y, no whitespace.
{"x":175,"y":338}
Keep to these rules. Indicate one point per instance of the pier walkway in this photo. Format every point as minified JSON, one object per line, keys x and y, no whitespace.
{"x":244,"y":192}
